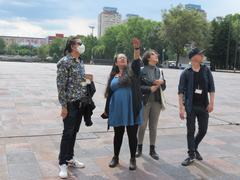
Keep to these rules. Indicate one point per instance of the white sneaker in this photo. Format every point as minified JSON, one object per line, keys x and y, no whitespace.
{"x":75,"y":163}
{"x":63,"y":171}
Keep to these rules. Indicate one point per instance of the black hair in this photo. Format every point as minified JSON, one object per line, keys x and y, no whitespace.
{"x":124,"y":80}
{"x":147,"y":55}
{"x":70,"y":42}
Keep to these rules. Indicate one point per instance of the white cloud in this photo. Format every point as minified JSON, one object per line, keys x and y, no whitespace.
{"x":24,"y":27}
{"x":20,"y":27}
{"x":73,"y":26}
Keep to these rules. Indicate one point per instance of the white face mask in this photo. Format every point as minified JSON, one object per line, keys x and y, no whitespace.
{"x":81,"y":49}
{"x":204,"y":58}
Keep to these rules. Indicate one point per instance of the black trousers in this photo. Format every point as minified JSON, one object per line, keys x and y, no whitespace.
{"x":71,"y":127}
{"x":132,"y":139}
{"x":202,"y":116}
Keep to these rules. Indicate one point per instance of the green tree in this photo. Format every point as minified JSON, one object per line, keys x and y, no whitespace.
{"x":12,"y":49}
{"x":90,"y":42}
{"x":146,"y":30}
{"x":43,"y":52}
{"x":109,"y":42}
{"x":182,"y":26}
{"x":217,"y":51}
{"x":2,"y":46}
{"x":117,"y":39}
{"x":24,"y":52}
{"x":223,"y":51}
{"x":99,"y":51}
{"x":34,"y":51}
{"x":56,"y":48}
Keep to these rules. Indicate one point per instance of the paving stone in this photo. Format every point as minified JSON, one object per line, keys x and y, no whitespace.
{"x":24,"y":171}
{"x":31,"y":127}
{"x":21,"y":158}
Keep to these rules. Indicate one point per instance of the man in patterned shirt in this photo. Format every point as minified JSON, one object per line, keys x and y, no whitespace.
{"x":71,"y":85}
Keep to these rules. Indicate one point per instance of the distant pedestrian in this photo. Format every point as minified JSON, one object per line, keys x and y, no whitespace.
{"x":196,"y":82}
{"x":124,"y":103}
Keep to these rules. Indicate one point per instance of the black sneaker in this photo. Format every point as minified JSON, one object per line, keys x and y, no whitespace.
{"x":198,"y":156}
{"x":188,"y":161}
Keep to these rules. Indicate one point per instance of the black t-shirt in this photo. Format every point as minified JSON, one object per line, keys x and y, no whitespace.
{"x":199,"y":89}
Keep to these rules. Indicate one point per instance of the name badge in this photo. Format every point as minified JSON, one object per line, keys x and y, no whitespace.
{"x":198,"y":91}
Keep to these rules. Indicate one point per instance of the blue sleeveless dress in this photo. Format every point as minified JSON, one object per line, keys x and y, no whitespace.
{"x":121,"y":106}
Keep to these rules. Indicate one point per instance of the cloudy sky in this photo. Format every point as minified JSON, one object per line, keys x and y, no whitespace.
{"x":40,"y":18}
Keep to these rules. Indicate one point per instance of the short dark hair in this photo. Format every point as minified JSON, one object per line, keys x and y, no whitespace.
{"x":70,"y":42}
{"x":147,"y":55}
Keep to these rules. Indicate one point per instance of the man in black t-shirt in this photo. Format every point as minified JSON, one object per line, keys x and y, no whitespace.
{"x":195,"y":84}
{"x":199,"y":99}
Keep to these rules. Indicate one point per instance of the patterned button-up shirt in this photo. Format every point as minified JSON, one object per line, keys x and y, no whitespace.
{"x":70,"y":75}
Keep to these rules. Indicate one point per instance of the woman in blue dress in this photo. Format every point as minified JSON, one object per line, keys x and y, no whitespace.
{"x":124,"y":103}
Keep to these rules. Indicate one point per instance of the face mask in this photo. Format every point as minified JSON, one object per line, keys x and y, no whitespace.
{"x":204,"y":58}
{"x":81,"y":49}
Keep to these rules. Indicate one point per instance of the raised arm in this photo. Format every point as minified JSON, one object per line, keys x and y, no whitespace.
{"x":136,"y":64}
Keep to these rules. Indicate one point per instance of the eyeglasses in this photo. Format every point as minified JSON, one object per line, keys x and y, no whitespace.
{"x":122,"y":57}
{"x":79,"y":43}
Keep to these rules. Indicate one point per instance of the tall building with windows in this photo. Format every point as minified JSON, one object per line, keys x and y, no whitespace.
{"x":107,"y":18}
{"x":193,"y":6}
{"x":51,"y":38}
{"x":129,"y":16}
{"x":196,"y":7}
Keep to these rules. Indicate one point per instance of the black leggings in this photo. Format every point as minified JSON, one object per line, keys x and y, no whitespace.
{"x":132,"y":139}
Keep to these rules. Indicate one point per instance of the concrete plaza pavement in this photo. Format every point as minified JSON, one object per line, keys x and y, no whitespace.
{"x":31,"y":127}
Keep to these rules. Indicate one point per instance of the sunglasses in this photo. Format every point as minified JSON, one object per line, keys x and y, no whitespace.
{"x":79,"y":43}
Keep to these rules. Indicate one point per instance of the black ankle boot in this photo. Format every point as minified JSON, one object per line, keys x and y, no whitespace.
{"x":139,"y":150}
{"x":114,"y":162}
{"x":132,"y":165}
{"x":153,"y":153}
